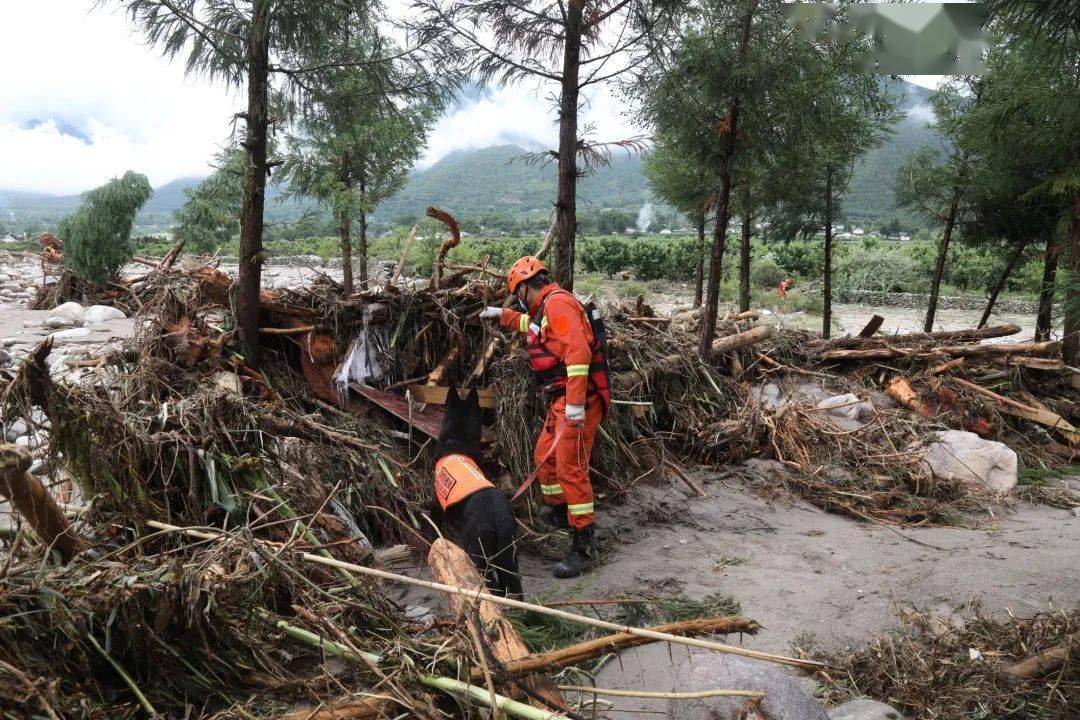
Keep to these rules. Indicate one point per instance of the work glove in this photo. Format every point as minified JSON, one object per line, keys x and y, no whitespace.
{"x":575,"y":413}
{"x":491,"y":313}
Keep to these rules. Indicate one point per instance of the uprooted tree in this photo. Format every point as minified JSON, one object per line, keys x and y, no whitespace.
{"x":97,"y":237}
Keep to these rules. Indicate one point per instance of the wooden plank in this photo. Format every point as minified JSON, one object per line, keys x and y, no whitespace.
{"x":436,"y":394}
{"x":427,"y":420}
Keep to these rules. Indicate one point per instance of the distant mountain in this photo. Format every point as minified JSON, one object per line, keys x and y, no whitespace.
{"x":497,"y":183}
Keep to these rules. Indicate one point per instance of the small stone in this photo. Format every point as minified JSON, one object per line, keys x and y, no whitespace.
{"x":15,"y":429}
{"x":864,"y":709}
{"x":785,"y":696}
{"x":38,"y":467}
{"x":70,"y":314}
{"x":23,"y":441}
{"x":5,"y":357}
{"x":1076,"y":511}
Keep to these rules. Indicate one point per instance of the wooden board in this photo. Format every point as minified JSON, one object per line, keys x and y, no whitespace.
{"x":436,"y":394}
{"x":427,"y":420}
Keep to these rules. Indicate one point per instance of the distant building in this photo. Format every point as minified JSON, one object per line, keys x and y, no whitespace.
{"x":858,"y":232}
{"x":665,"y":231}
{"x":904,"y":238}
{"x":12,"y":238}
{"x":844,"y":236}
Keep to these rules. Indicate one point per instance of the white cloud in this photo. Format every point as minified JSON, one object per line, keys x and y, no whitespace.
{"x":82,"y":99}
{"x":522,"y":114}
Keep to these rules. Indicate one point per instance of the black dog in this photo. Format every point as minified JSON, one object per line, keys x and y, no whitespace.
{"x":478,"y":513}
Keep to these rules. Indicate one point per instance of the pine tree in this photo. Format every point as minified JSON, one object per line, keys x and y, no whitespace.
{"x":573,"y":45}
{"x":252,"y":45}
{"x":211,"y":216}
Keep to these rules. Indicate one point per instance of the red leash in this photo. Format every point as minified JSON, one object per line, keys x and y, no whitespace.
{"x":536,"y":473}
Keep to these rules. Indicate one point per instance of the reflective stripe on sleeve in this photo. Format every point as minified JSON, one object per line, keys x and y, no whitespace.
{"x":580,"y":508}
{"x":551,"y":489}
{"x":523,"y":323}
{"x":577,"y":370}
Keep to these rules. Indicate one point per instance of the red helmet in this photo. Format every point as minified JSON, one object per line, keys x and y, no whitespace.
{"x":522,"y":270}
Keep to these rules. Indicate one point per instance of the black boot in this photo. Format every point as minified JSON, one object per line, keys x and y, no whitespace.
{"x":581,"y":556}
{"x":556,"y":517}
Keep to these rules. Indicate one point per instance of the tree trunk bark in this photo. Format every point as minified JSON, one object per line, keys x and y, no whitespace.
{"x":826,"y":277}
{"x":716,"y":256}
{"x":744,"y":261}
{"x":343,"y":233}
{"x":251,"y":212}
{"x":346,"y":253}
{"x":1071,"y":343}
{"x":942,"y":256}
{"x":1014,"y":260}
{"x":1045,"y":315}
{"x":566,"y":200}
{"x":700,"y":279}
{"x":362,"y":252}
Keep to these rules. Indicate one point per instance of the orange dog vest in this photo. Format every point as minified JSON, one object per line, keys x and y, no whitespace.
{"x":456,"y":478}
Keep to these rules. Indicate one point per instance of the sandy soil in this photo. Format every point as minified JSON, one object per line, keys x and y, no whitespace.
{"x":801,"y":571}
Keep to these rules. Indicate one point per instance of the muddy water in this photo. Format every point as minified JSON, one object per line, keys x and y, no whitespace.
{"x":850,"y":319}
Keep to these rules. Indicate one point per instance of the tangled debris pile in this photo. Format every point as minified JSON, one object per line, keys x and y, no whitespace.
{"x":983,"y":668}
{"x":206,"y":488}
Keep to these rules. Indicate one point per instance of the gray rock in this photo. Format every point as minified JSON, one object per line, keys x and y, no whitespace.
{"x":769,"y":395}
{"x":96,"y":314}
{"x":964,"y":456}
{"x":15,"y":428}
{"x":785,"y":696}
{"x":5,"y":357}
{"x":78,"y":333}
{"x":848,"y":410}
{"x":70,"y":314}
{"x":864,"y":709}
{"x":37,"y":467}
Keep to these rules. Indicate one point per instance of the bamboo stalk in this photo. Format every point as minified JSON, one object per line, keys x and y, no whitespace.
{"x":521,"y":605}
{"x":448,"y":685}
{"x":404,"y":255}
{"x":696,"y":695}
{"x":124,"y":675}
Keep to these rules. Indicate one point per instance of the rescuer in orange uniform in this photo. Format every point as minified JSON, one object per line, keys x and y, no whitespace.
{"x":567,"y":359}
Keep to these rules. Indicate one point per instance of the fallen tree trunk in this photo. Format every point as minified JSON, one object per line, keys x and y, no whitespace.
{"x":1033,"y":414}
{"x":985,"y":351}
{"x":752,"y":336}
{"x":27,"y":495}
{"x":872,"y":326}
{"x":720,"y":347}
{"x":576,"y":654}
{"x":948,"y":335}
{"x":452,"y":566}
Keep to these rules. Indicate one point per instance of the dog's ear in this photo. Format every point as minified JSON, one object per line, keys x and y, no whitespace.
{"x":473,"y":400}
{"x":453,"y":399}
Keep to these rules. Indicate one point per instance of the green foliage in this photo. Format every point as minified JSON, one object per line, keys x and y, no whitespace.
{"x":887,"y":269}
{"x":648,"y":258}
{"x":211,"y":215}
{"x":799,"y":258}
{"x":97,"y":238}
{"x":765,"y":272}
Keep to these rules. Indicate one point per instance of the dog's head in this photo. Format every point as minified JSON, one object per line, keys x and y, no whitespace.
{"x":462,"y":426}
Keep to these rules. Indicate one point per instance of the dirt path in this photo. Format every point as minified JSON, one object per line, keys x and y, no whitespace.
{"x":799,"y":570}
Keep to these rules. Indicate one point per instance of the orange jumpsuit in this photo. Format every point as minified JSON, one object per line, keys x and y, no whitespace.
{"x":563,"y":336}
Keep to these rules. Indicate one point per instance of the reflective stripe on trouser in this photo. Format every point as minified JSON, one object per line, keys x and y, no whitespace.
{"x":564,"y":474}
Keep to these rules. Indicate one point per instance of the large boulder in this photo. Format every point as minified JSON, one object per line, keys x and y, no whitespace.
{"x":97,"y":314}
{"x":964,"y":456}
{"x":68,"y":315}
{"x":864,"y":709}
{"x":785,"y":696}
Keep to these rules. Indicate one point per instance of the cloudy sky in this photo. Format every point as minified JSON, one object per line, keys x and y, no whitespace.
{"x":82,"y":99}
